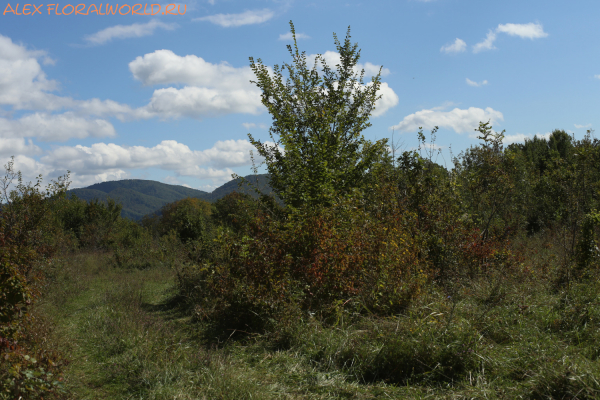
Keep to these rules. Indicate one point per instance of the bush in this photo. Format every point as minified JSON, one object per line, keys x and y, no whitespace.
{"x":235,"y":210}
{"x":27,"y":232}
{"x":320,"y":260}
{"x":189,"y":218}
{"x":91,"y":223}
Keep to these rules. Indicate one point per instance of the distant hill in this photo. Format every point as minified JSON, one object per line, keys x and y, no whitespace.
{"x":141,"y":197}
{"x":260,"y":181}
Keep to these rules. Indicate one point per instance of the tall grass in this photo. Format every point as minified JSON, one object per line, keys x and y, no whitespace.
{"x":511,"y":334}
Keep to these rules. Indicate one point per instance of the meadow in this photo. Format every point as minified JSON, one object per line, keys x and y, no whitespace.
{"x":368,"y":273}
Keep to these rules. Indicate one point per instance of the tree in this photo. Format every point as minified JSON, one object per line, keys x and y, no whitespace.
{"x":188,"y":217}
{"x":318,"y":117}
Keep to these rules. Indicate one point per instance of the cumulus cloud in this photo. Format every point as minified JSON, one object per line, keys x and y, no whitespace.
{"x":521,"y":137}
{"x":163,"y":67}
{"x":583,"y":126}
{"x":211,"y":89}
{"x":459,"y":120}
{"x":246,"y":18}
{"x":30,"y":168}
{"x":486,"y":44}
{"x":597,"y":76}
{"x":58,"y":127}
{"x":288,"y":36}
{"x":127,"y":31}
{"x":13,"y":146}
{"x":23,"y":83}
{"x":215,"y":89}
{"x":110,"y":108}
{"x":457,"y":47}
{"x":476,"y":84}
{"x":169,"y":155}
{"x":388,"y":100}
{"x":196,"y":102}
{"x":24,"y":86}
{"x":524,"y":31}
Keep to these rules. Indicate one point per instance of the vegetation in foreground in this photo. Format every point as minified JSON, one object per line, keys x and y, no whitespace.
{"x":375,"y":276}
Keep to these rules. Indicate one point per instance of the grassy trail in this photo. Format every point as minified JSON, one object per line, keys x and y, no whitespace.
{"x":125,"y":339}
{"x":124,"y":342}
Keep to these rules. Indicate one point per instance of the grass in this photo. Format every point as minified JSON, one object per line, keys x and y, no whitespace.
{"x":495,"y":337}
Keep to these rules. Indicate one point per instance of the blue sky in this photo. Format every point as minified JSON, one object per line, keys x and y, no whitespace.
{"x":168,"y":98}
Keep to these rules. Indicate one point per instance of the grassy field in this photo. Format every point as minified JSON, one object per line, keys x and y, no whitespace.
{"x":127,"y":336}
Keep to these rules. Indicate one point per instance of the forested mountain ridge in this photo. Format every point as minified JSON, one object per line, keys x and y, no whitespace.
{"x":140,"y":197}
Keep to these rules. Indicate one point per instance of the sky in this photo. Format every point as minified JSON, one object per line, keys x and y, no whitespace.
{"x":168,"y":96}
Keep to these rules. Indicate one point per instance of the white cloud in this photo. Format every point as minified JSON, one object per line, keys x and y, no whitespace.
{"x":486,"y":44}
{"x":583,"y":126}
{"x":476,"y":84}
{"x":110,"y":108}
{"x":116,"y":160}
{"x":252,"y":125}
{"x":127,"y":31}
{"x":597,"y":76}
{"x":14,"y":146}
{"x":521,"y":137}
{"x":230,"y":153}
{"x":29,"y":167}
{"x":288,"y":36}
{"x":388,"y":100}
{"x":246,"y":18}
{"x":196,"y":102}
{"x":210,"y":188}
{"x":164,"y":67}
{"x":23,"y":84}
{"x":516,"y":138}
{"x":457,"y":47}
{"x":458,"y":120}
{"x":525,"y":31}
{"x":58,"y":127}
{"x":212,"y":89}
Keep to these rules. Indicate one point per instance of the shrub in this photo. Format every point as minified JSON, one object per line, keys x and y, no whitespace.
{"x":319,"y":259}
{"x":26,"y":244}
{"x":235,"y":210}
{"x":189,"y":218}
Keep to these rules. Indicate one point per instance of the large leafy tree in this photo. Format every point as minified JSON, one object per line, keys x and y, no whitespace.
{"x":318,"y":116}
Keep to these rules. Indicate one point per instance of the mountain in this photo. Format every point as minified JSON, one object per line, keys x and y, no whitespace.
{"x":141,"y":197}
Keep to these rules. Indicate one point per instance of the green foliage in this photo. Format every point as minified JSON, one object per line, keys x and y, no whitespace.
{"x":27,"y":241}
{"x":134,"y":247}
{"x":487,"y":175}
{"x":319,"y":260}
{"x":587,"y":251}
{"x":235,"y":210}
{"x":92,"y":222}
{"x":383,"y":271}
{"x":318,"y":117}
{"x":189,"y":218}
